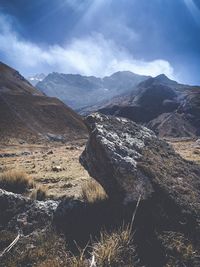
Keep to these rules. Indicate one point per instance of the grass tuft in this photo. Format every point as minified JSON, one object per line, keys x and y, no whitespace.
{"x":39,"y":193}
{"x":15,"y":181}
{"x":115,"y":249}
{"x":93,"y":192}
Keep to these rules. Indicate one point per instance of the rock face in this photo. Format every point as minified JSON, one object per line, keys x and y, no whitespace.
{"x":128,"y":160}
{"x":111,"y":156}
{"x":24,"y":214}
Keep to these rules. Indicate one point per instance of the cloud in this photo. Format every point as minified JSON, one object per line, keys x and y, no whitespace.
{"x":91,"y":55}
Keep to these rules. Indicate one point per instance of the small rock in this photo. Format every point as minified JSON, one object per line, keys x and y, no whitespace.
{"x":56,"y":168}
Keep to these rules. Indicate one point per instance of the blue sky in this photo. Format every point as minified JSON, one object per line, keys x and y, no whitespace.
{"x":99,"y":37}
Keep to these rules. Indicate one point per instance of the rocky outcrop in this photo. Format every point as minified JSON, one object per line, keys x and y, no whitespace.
{"x":23,"y":214}
{"x":128,"y":160}
{"x":111,"y":156}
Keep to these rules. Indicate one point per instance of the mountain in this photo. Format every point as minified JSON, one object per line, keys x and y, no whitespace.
{"x":36,"y":78}
{"x":27,"y":114}
{"x":165,"y":106}
{"x":79,"y":91}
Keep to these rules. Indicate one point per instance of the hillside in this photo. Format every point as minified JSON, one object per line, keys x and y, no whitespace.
{"x":165,"y":106}
{"x":28,"y":115}
{"x":79,"y":91}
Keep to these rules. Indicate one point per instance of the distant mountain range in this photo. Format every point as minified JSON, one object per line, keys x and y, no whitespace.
{"x":165,"y":106}
{"x":79,"y":91}
{"x":36,"y":78}
{"x":27,"y":114}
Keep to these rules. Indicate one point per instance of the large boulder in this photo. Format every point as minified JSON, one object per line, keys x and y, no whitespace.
{"x":129,"y":161}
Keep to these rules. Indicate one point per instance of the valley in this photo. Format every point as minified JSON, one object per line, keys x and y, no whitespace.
{"x":99,"y":133}
{"x":75,"y":187}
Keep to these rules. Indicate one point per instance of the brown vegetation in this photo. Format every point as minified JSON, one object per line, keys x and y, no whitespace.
{"x":16,"y":181}
{"x":93,"y":192}
{"x":41,"y":250}
{"x":39,"y":193}
{"x":38,"y":164}
{"x":49,"y":250}
{"x":115,"y":249}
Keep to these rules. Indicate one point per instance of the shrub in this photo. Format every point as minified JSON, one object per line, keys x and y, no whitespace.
{"x":15,"y":181}
{"x":93,"y":192}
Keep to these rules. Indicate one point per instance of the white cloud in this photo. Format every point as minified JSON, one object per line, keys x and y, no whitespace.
{"x":92,"y":55}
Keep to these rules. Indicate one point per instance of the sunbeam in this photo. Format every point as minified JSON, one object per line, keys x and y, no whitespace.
{"x":194,"y":10}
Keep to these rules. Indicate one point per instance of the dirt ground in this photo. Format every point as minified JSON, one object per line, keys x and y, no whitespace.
{"x":54,"y":166}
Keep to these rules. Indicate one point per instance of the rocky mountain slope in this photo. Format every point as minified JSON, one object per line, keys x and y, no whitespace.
{"x":80,"y":91}
{"x":27,"y":114}
{"x":167,"y":107}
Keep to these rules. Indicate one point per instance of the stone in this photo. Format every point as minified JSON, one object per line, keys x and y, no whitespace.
{"x":23,"y":214}
{"x":129,"y":161}
{"x":56,"y":168}
{"x":113,"y":149}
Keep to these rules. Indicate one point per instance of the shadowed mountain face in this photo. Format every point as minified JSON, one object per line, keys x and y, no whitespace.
{"x":168,"y":108}
{"x":80,"y":91}
{"x":29,"y":115}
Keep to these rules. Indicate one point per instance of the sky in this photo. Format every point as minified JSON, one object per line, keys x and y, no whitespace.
{"x":100,"y":37}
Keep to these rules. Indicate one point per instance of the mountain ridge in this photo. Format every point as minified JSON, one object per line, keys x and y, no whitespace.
{"x":79,"y":91}
{"x":27,"y":114}
{"x":151,"y":101}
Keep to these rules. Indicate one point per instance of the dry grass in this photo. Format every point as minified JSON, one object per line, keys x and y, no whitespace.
{"x":92,"y":192}
{"x":78,"y":260}
{"x":39,"y":193}
{"x":45,"y":249}
{"x":187,"y":149}
{"x":39,"y":164}
{"x":115,"y":249}
{"x":180,"y":250}
{"x":16,"y":181}
{"x":49,"y":250}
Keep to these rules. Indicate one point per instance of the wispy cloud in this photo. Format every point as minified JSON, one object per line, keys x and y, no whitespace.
{"x":91,"y":55}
